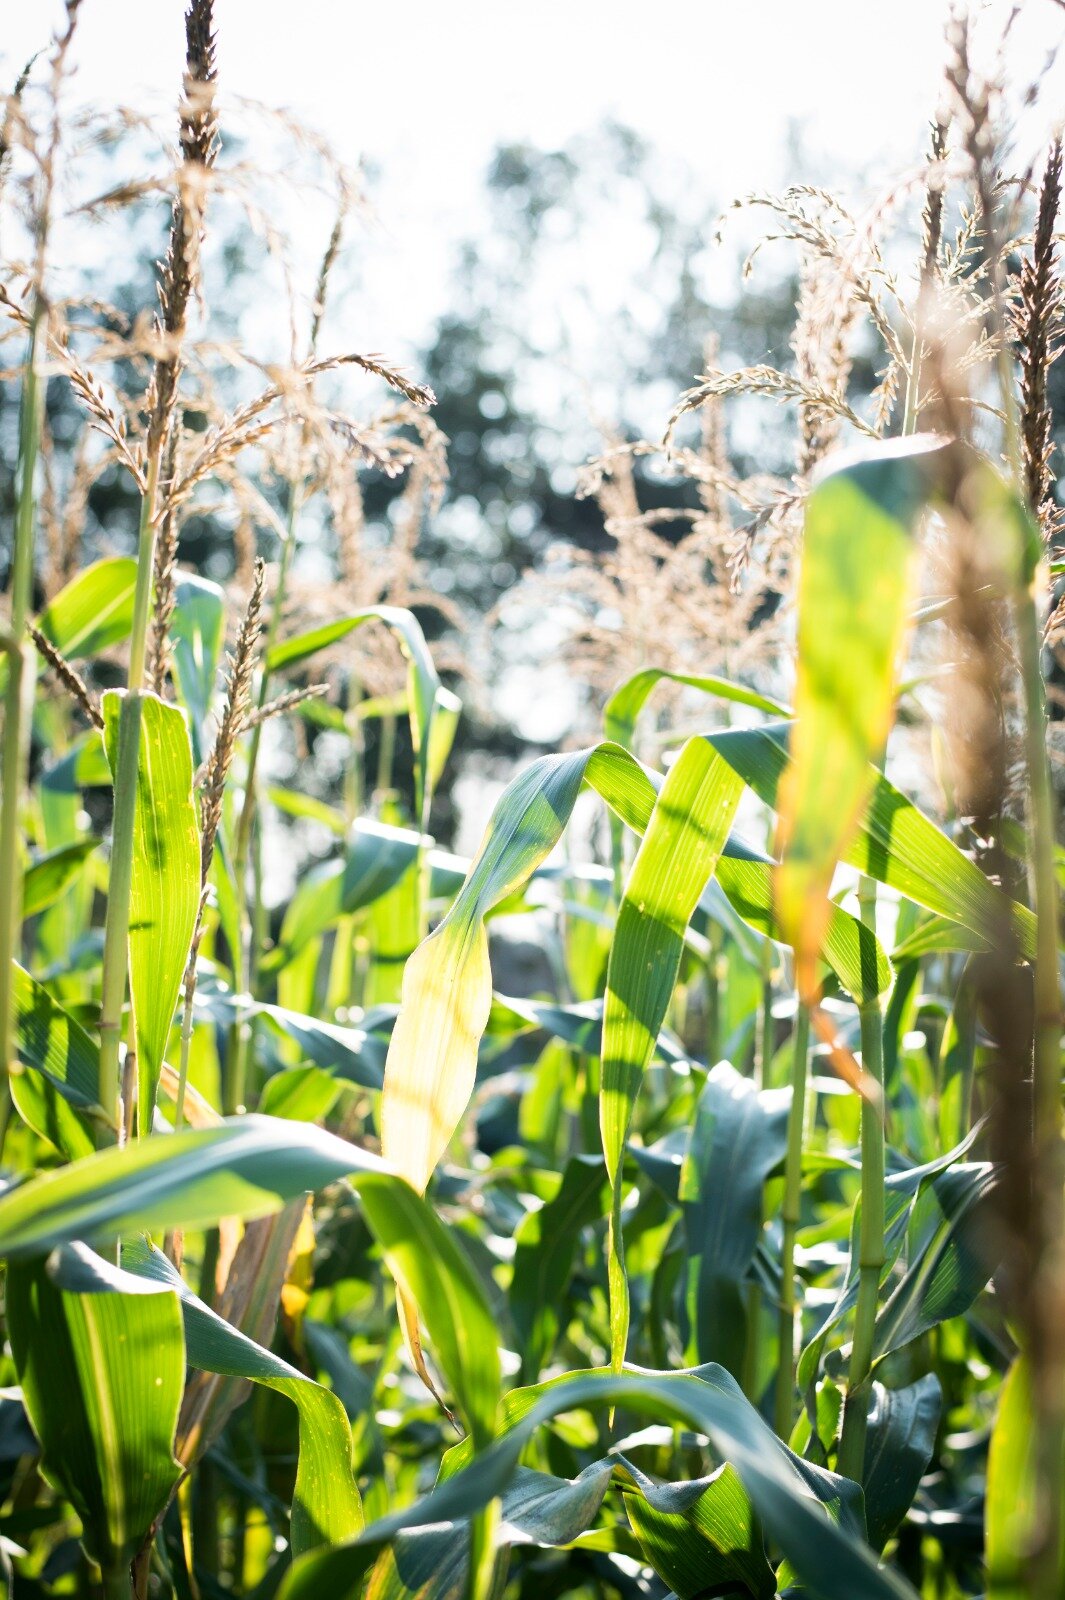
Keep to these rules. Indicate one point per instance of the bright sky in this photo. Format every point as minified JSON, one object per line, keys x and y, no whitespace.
{"x":424,"y":91}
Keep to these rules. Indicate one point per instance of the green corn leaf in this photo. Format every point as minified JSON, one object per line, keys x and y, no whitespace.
{"x":102,"y":1377}
{"x":376,"y":858}
{"x":901,"y":1192}
{"x":308,"y":808}
{"x":58,"y":1095}
{"x":622,"y":710}
{"x":894,"y":843}
{"x":807,"y":1512}
{"x":447,"y":709}
{"x":536,"y":1509}
{"x":244,"y":1167}
{"x":51,"y":874}
{"x":579,"y":1025}
{"x":858,"y":562}
{"x":303,"y":1094}
{"x":1010,"y":1516}
{"x":936,"y":936}
{"x":683,"y":840}
{"x":249,"y":1167}
{"x":850,"y":949}
{"x":83,"y":767}
{"x":94,"y":611}
{"x":447,"y":983}
{"x":434,"y":1273}
{"x":738,"y":1137}
{"x":447,"y":989}
{"x":326,"y":1507}
{"x":950,"y":1266}
{"x":355,"y":1054}
{"x":699,"y":1536}
{"x":423,"y":683}
{"x":899,"y":1444}
{"x":545,"y":1244}
{"x":197,"y":632}
{"x":165,"y":892}
{"x":395,"y":923}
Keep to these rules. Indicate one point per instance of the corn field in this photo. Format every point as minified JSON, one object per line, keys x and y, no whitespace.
{"x":733,"y":1264}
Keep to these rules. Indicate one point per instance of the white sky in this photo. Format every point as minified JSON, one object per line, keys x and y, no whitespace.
{"x":424,"y":90}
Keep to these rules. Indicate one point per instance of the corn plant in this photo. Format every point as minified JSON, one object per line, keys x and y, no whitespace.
{"x":732,"y":1266}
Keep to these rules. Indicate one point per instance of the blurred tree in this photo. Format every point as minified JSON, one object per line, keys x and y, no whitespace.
{"x":579,"y":307}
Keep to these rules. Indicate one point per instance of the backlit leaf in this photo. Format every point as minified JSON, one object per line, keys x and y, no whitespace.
{"x":165,"y":892}
{"x":102,"y":1376}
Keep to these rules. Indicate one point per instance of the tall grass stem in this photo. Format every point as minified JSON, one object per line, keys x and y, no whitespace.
{"x":871,"y":1235}
{"x":790,"y":1214}
{"x":236,"y":1076}
{"x":18,"y":705}
{"x":116,"y":923}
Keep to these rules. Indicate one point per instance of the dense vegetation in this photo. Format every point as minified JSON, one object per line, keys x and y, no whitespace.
{"x":727,"y":1258}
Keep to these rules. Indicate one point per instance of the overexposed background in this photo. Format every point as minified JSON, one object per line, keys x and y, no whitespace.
{"x":425,"y":91}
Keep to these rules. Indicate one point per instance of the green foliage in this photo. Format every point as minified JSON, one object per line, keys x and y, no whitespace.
{"x":164,"y":892}
{"x":102,"y":1371}
{"x":503,"y":1254}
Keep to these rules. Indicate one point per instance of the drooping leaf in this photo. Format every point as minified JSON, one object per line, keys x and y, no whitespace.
{"x":579,"y":1025}
{"x":165,"y":890}
{"x":738,"y":1137}
{"x":622,"y":710}
{"x":951,"y":1266}
{"x":244,"y":1167}
{"x":681,"y":845}
{"x":423,"y":684}
{"x":102,"y":1376}
{"x":51,"y":874}
{"x":545,"y":1244}
{"x":434,"y":1274}
{"x":355,"y":1054}
{"x":95,"y":609}
{"x":854,"y":603}
{"x":346,"y":1052}
{"x":702,"y":1535}
{"x":807,"y":1512}
{"x":248,"y":1167}
{"x":536,"y":1509}
{"x":59,"y":1094}
{"x":894,"y":842}
{"x":899,"y":1443}
{"x":447,"y":985}
{"x":197,"y":632}
{"x":326,"y":1507}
